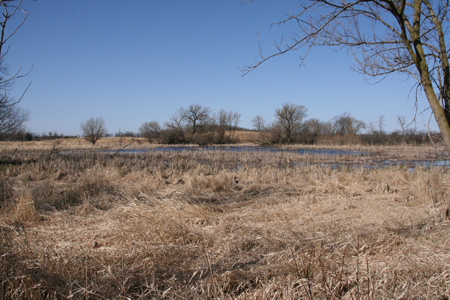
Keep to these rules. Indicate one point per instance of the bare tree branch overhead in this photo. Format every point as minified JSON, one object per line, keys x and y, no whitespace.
{"x":384,"y":36}
{"x":11,"y":116}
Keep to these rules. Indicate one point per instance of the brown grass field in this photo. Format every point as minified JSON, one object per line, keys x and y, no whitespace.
{"x":219,"y":225}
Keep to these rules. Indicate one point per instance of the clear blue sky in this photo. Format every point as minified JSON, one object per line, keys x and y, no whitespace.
{"x":136,"y":61}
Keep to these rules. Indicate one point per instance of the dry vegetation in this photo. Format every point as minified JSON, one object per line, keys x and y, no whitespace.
{"x":218,"y":225}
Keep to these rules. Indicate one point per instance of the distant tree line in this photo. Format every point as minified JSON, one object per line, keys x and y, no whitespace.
{"x":290,"y":127}
{"x":22,"y":134}
{"x":196,"y":124}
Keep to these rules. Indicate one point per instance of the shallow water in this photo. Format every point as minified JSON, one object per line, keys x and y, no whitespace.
{"x":411,"y":164}
{"x":246,"y":149}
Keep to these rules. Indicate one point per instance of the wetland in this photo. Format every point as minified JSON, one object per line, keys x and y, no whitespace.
{"x":96,"y":223}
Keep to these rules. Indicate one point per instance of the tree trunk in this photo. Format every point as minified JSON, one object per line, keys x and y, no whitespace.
{"x":439,"y":115}
{"x":420,"y":61}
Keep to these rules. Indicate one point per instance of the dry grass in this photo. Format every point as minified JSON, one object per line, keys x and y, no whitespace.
{"x":76,"y":144}
{"x":219,"y":225}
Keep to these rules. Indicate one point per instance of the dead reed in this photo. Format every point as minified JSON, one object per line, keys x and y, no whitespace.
{"x":219,"y":225}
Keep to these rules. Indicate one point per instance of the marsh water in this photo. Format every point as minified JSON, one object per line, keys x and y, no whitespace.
{"x":248,"y":149}
{"x":361,"y":158}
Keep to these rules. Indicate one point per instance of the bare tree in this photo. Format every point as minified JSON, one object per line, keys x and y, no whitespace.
{"x":175,"y":122}
{"x":93,"y":129}
{"x":384,"y":37}
{"x":222,"y":122}
{"x":11,"y":116}
{"x":313,"y":126}
{"x":173,"y":133}
{"x":258,"y":123}
{"x":327,"y":128}
{"x":196,"y":121}
{"x":196,"y":117}
{"x":402,"y":122}
{"x":372,"y":128}
{"x":346,"y":124}
{"x":289,"y":117}
{"x":234,"y":119}
{"x":273,"y":134}
{"x":150,"y":130}
{"x":225,"y":122}
{"x":381,"y":121}
{"x":311,"y":130}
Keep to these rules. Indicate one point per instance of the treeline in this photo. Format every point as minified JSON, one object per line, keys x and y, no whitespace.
{"x":199,"y":125}
{"x":22,"y":134}
{"x":196,"y":125}
{"x":342,"y":129}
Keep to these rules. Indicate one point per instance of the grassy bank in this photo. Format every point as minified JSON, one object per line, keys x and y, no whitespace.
{"x":204,"y":225}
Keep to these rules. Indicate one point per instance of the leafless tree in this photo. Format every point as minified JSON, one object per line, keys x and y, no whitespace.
{"x":384,"y":37}
{"x":289,"y":117}
{"x":313,"y":126}
{"x":407,"y":131}
{"x":273,"y":134}
{"x":11,"y":116}
{"x":93,"y":129}
{"x":327,"y":128}
{"x":312,"y":129}
{"x":258,"y":123}
{"x":196,"y":121}
{"x":195,"y":116}
{"x":402,"y":122}
{"x":222,"y":122}
{"x":234,"y":119}
{"x":173,"y":132}
{"x":346,"y":124}
{"x":372,"y":128}
{"x":225,"y":122}
{"x":150,"y":130}
{"x":175,"y":122}
{"x":381,"y":121}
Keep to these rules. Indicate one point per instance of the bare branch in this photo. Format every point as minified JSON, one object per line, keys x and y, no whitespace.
{"x":11,"y":117}
{"x":93,"y":129}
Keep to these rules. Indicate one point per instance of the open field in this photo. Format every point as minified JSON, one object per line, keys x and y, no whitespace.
{"x":219,"y":225}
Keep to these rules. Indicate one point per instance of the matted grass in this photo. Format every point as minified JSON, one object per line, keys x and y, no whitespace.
{"x":219,"y":225}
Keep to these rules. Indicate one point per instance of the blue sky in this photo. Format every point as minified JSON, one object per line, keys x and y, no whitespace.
{"x":136,"y":61}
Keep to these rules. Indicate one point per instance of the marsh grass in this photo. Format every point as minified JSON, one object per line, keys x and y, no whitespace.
{"x":219,"y":225}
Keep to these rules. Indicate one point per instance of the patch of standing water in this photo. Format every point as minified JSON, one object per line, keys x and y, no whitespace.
{"x":410,"y":164}
{"x":246,"y":149}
